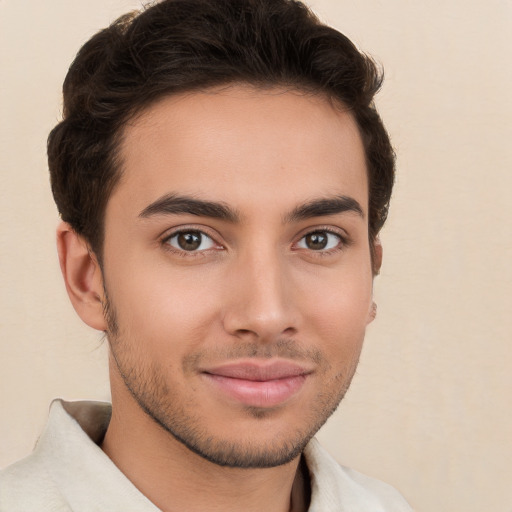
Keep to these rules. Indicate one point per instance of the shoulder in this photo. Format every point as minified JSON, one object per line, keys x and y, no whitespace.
{"x":335,"y":487}
{"x":26,"y":486}
{"x":31,"y":484}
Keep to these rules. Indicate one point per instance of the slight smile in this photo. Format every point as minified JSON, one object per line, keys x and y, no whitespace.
{"x":266,"y":384}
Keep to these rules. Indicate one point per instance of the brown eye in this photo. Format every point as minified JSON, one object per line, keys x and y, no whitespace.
{"x":316,"y":241}
{"x":190,"y":241}
{"x":320,"y":241}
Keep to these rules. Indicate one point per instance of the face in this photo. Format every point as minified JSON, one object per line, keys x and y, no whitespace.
{"x":237,"y":267}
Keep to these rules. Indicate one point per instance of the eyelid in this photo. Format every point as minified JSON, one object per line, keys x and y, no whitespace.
{"x":345,"y":240}
{"x":176,"y":230}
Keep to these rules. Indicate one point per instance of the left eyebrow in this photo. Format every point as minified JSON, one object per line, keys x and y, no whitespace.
{"x":173,"y":204}
{"x":323,"y":207}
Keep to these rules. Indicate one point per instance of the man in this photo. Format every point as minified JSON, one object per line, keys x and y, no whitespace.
{"x":222,"y":177}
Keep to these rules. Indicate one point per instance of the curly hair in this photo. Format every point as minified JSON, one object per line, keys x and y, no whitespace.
{"x":185,"y":45}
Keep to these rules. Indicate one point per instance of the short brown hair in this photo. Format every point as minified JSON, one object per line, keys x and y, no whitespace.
{"x":185,"y":45}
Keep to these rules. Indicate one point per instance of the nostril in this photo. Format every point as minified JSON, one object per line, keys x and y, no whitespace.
{"x":290,"y":331}
{"x":244,"y":331}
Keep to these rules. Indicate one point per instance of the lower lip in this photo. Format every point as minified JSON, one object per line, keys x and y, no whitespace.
{"x":269,"y":393}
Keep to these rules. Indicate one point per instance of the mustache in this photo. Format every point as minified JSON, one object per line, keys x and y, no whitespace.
{"x":281,"y":348}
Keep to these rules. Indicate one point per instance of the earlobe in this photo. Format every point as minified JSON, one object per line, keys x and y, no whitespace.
{"x":82,"y":276}
{"x":372,"y":313}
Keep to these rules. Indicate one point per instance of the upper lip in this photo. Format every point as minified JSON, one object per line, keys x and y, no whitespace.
{"x":259,"y":371}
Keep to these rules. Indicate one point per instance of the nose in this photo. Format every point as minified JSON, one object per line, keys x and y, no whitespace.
{"x":262,"y":303}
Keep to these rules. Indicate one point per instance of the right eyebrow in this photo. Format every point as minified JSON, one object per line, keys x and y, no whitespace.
{"x":172,"y":204}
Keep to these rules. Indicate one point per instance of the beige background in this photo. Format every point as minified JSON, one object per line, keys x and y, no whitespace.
{"x":430,"y":407}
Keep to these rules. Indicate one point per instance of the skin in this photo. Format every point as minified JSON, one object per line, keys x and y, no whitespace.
{"x":259,"y":289}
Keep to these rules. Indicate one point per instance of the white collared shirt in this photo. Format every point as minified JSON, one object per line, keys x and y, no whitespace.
{"x":68,"y":471}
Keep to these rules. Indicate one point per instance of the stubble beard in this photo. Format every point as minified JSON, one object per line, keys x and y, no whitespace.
{"x":148,"y":387}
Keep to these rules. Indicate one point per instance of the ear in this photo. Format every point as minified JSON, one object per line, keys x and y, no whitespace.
{"x":377,"y":256}
{"x":82,"y":275}
{"x":377,"y":263}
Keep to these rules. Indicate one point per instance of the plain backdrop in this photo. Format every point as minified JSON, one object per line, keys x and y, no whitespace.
{"x":429,"y":410}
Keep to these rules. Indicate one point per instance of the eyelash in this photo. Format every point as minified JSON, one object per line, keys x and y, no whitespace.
{"x":190,"y":254}
{"x":344,"y":242}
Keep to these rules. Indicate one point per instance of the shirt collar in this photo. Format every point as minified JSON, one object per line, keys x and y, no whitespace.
{"x":89,"y":480}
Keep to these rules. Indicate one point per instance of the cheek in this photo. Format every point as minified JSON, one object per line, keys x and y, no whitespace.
{"x":166,"y":309}
{"x":339,"y":320}
{"x":338,"y":311}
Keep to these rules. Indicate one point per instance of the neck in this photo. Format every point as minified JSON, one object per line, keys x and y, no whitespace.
{"x":175,"y":478}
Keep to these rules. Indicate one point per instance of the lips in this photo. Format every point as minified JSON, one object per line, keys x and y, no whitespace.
{"x":266,"y":384}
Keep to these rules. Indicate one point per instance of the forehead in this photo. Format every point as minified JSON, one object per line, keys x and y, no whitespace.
{"x":244,"y":146}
